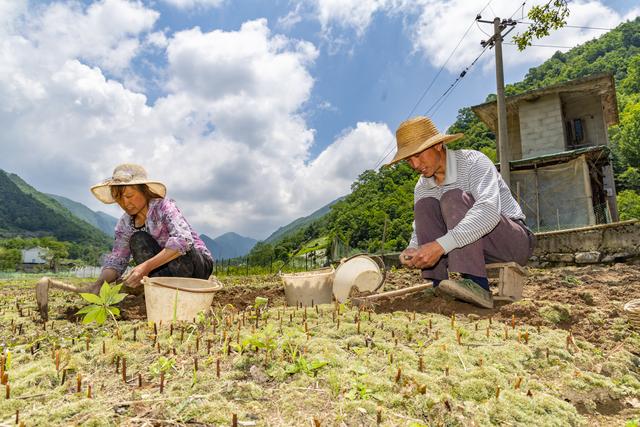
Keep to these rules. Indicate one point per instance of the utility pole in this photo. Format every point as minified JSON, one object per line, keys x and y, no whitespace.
{"x":503,"y":137}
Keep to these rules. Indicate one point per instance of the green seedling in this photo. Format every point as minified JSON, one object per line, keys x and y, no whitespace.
{"x":102,"y":305}
{"x":359,"y":392}
{"x":302,"y":365}
{"x":161,"y":366}
{"x":260,"y":302}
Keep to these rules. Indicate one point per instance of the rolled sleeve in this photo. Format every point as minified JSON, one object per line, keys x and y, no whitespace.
{"x":180,"y":238}
{"x":119,"y":257}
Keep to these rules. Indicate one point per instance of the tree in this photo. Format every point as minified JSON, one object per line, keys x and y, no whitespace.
{"x":10,"y":258}
{"x":547,"y":17}
{"x":629,"y":205}
{"x":627,"y":137}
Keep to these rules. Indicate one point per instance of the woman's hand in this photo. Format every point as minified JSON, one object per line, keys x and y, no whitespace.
{"x":425,"y":256}
{"x":134,"y":279}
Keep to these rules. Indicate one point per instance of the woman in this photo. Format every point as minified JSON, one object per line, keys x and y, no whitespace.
{"x":152,"y":230}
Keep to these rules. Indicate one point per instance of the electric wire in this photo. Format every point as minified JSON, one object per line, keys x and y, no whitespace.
{"x":424,"y":93}
{"x":571,"y":26}
{"x":516,"y":11}
{"x":544,"y":45}
{"x":436,"y":105}
{"x":440,"y":101}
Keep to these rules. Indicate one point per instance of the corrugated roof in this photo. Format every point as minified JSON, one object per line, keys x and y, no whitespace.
{"x":597,"y":152}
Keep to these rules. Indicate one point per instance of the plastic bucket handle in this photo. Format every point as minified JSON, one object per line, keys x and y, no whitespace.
{"x":216,"y":287}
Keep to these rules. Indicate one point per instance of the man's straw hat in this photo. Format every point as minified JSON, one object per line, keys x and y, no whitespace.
{"x":416,"y":135}
{"x":126,"y":174}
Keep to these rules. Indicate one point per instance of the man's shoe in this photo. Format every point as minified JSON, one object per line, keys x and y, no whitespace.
{"x":467,"y":290}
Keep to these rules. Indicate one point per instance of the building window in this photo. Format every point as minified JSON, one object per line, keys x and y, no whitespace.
{"x":575,"y":132}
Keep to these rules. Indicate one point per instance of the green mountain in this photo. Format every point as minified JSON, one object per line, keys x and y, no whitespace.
{"x":228,"y":245}
{"x":300,"y":223}
{"x":102,"y":221}
{"x":26,"y":212}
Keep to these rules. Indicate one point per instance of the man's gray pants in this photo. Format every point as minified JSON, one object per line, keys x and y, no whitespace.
{"x":509,"y":241}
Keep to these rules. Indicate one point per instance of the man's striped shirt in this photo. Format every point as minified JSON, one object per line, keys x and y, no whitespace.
{"x":473,"y":172}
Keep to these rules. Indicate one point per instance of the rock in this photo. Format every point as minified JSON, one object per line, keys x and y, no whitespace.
{"x":590,"y":257}
{"x":560,"y":257}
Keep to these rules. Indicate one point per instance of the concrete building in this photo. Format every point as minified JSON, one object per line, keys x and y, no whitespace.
{"x":34,"y":258}
{"x":560,"y":162}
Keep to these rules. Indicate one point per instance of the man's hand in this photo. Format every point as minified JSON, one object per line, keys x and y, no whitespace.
{"x":134,"y":278}
{"x":407,"y":255}
{"x":425,"y":256}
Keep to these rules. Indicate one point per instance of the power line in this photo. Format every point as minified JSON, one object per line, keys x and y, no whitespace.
{"x":424,"y":93}
{"x":545,"y":45}
{"x":440,"y":101}
{"x":516,"y":11}
{"x":448,"y":92}
{"x":483,"y":31}
{"x":572,"y":26}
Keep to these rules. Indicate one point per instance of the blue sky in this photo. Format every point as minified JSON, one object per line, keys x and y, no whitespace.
{"x":253,"y":112}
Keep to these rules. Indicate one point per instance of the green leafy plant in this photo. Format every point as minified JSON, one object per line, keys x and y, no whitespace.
{"x":301,"y":364}
{"x":102,"y":305}
{"x":162,"y":365}
{"x":359,"y":391}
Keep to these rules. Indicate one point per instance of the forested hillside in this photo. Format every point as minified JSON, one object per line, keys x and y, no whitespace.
{"x":25,"y":212}
{"x":102,"y":221}
{"x":387,"y":194}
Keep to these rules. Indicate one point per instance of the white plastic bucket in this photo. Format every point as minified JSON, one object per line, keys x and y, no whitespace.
{"x":362,"y":272}
{"x":177,"y":298}
{"x":309,"y":287}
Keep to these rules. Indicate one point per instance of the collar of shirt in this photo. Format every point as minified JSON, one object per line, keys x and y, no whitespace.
{"x":450,"y":171}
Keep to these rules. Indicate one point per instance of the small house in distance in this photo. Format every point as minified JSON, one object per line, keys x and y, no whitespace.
{"x":34,"y":258}
{"x":561,"y":172}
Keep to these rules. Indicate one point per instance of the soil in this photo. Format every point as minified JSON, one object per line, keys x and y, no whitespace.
{"x":593,"y":297}
{"x":585,"y":301}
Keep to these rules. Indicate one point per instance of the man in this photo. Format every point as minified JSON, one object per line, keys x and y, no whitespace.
{"x":464,"y":214}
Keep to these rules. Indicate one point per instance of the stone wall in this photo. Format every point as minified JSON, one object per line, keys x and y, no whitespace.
{"x":605,"y":243}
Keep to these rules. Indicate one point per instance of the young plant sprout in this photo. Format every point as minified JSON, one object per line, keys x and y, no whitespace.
{"x":102,"y":306}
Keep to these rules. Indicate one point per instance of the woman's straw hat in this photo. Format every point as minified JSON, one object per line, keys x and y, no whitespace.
{"x":416,"y":135}
{"x":126,"y":174}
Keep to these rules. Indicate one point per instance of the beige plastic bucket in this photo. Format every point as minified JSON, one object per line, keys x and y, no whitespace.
{"x":363,"y":272}
{"x":177,"y":298}
{"x":309,"y":287}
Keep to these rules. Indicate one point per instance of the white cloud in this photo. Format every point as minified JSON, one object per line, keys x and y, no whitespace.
{"x":104,"y":33}
{"x":190,"y":4}
{"x":435,"y":27}
{"x":228,"y":136}
{"x":631,"y":14}
{"x":356,"y":14}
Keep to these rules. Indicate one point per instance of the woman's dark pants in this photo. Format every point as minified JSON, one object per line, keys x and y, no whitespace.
{"x":192,"y":264}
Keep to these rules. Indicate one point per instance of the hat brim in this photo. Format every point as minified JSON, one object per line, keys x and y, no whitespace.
{"x":102,"y":191}
{"x":408,"y":151}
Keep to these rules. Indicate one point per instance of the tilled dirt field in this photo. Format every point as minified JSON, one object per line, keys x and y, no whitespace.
{"x":585,"y":303}
{"x":588,"y":301}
